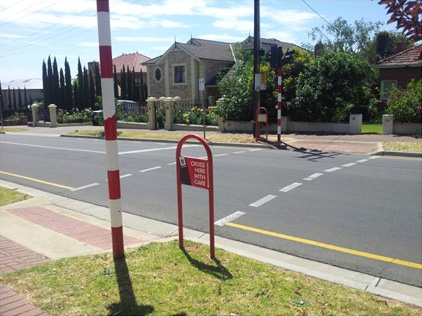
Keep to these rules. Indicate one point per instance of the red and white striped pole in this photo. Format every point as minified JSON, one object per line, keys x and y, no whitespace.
{"x":280,"y":90}
{"x":110,"y":126}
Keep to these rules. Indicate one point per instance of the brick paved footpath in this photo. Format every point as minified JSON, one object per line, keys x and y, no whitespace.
{"x":15,"y":257}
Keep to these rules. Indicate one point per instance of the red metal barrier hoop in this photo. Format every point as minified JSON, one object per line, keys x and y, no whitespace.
{"x":199,"y":173}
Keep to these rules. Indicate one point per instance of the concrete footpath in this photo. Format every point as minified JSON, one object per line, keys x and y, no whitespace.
{"x":49,"y":227}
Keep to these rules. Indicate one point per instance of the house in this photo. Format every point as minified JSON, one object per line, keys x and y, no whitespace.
{"x":135,"y":63}
{"x":399,"y":69}
{"x":30,"y":90}
{"x":266,"y":44}
{"x":178,"y":71}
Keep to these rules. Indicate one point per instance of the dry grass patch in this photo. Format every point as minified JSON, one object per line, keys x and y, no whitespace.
{"x":9,"y":196}
{"x":160,"y":279}
{"x":403,"y":146}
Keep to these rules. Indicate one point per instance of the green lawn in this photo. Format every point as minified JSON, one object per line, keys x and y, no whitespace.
{"x":160,"y":279}
{"x":9,"y":196}
{"x":371,"y":128}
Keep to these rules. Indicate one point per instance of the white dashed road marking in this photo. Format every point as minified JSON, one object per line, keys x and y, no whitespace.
{"x":125,"y":175}
{"x":239,"y":152}
{"x":85,"y":187}
{"x":313,"y":176}
{"x":221,"y":155}
{"x":349,"y":164}
{"x":229,"y":218}
{"x":150,"y":169}
{"x":332,"y":169}
{"x":263,"y":201}
{"x":290,"y":187}
{"x":362,"y":160}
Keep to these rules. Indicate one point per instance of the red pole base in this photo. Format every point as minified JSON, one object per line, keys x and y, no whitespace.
{"x":117,"y":241}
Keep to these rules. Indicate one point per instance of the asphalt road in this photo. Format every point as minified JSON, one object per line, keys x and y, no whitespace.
{"x":357,"y":212}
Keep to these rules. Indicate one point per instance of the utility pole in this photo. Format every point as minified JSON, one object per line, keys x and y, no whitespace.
{"x":256,"y":95}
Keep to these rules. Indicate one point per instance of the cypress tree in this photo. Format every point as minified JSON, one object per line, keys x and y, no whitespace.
{"x":25,"y":97}
{"x":76,"y":100}
{"x":116,"y":89}
{"x":86,"y":98}
{"x":68,"y":100}
{"x":55,"y":83}
{"x":123,"y":91}
{"x":98,"y":91}
{"x":19,"y":105}
{"x":80,"y":86}
{"x":14,"y":105}
{"x":9,"y":98}
{"x":50,"y":89}
{"x":91,"y":91}
{"x":62,"y":95}
{"x":45,"y":82}
{"x":129,"y":84}
{"x":1,"y":99}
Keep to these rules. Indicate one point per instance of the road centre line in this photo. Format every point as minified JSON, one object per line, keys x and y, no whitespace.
{"x":239,"y":152}
{"x":171,"y":163}
{"x":362,"y":160}
{"x":150,"y":169}
{"x":221,"y":155}
{"x":349,"y":164}
{"x":37,"y":180}
{"x":332,"y":169}
{"x":263,"y":200}
{"x":57,"y":148}
{"x":126,"y":175}
{"x":290,"y":187}
{"x":313,"y":176}
{"x":256,"y":149}
{"x":229,"y":218}
{"x":85,"y":187}
{"x":374,"y":157}
{"x":414,"y":265}
{"x":152,"y":149}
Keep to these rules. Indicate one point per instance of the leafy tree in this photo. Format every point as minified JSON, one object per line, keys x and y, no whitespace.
{"x":406,"y":105}
{"x":331,"y":87}
{"x":385,"y":44}
{"x":407,"y":15}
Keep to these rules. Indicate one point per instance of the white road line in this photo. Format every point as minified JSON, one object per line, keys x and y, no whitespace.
{"x":57,"y":148}
{"x":349,"y":164}
{"x":126,"y":175}
{"x":171,"y":163}
{"x":150,"y":169}
{"x":332,"y":169}
{"x":239,"y":152}
{"x":229,"y":218}
{"x":85,"y":187}
{"x":263,"y":201}
{"x":221,"y":155}
{"x":290,"y":187}
{"x":152,"y":149}
{"x":374,"y":157}
{"x":256,"y":149}
{"x":362,"y":160}
{"x":313,"y":176}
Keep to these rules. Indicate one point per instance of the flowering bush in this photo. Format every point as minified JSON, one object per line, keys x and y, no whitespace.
{"x":406,"y":105}
{"x":74,"y":116}
{"x":195,"y":116}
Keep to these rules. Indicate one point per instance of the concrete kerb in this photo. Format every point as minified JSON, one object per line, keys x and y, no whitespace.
{"x":151,"y":230}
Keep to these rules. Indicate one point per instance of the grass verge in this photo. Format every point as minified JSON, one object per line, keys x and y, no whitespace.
{"x":160,"y":279}
{"x":403,"y":146}
{"x":371,"y":129}
{"x":9,"y":196}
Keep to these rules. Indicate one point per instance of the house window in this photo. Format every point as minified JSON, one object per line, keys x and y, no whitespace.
{"x":157,"y":74}
{"x":386,"y":85}
{"x":179,"y":74}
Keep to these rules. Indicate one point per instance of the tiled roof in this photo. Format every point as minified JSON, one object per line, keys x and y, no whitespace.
{"x":134,"y":61}
{"x":409,"y":56}
{"x":211,"y":50}
{"x":249,"y":41}
{"x":29,"y":84}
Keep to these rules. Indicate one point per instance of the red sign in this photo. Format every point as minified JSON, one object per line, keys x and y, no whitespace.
{"x":194,"y":172}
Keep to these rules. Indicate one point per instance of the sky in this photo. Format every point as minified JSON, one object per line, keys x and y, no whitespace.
{"x":30,"y":31}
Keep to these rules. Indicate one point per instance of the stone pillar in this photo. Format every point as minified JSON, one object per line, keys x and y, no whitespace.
{"x":151,"y":112}
{"x":169,"y":104}
{"x":53,"y":115}
{"x":35,"y":116}
{"x":355,"y":123}
{"x":387,"y":124}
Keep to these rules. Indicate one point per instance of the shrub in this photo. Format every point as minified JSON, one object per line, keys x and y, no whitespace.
{"x":406,"y":105}
{"x":74,"y":116}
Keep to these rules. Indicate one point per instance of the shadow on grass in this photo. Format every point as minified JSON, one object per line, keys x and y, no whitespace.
{"x":127,"y":304}
{"x":218,"y":271}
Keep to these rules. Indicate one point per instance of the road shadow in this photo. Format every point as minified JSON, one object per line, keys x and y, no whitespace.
{"x":218,"y":271}
{"x":310,"y":154}
{"x":127,"y":304}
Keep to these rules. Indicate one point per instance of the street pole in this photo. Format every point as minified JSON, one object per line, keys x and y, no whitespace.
{"x":256,"y":96}
{"x":110,"y":127}
{"x":280,"y":91}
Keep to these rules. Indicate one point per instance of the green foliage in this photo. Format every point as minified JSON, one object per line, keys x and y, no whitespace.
{"x":195,"y":116}
{"x":236,"y":89}
{"x":406,"y":105}
{"x":330,"y":88}
{"x":74,"y":116}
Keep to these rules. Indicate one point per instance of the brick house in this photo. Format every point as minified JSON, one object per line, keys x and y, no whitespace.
{"x":398,"y":70}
